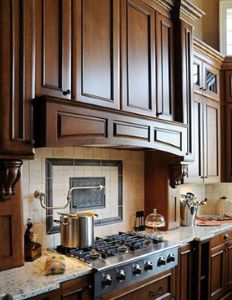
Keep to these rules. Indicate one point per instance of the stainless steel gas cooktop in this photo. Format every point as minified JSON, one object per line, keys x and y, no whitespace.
{"x":125,"y":258}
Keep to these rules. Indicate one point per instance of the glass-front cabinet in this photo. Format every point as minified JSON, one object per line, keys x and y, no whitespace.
{"x":205,"y":79}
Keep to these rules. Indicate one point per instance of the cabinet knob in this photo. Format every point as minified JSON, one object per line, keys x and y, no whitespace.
{"x":67,"y":92}
{"x":226,"y":236}
{"x":31,"y":142}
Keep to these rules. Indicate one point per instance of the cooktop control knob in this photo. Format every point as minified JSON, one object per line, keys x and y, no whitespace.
{"x":161,"y":261}
{"x":148,"y":266}
{"x":120,"y":275}
{"x":106,"y":280}
{"x":136,"y":270}
{"x":170,"y":258}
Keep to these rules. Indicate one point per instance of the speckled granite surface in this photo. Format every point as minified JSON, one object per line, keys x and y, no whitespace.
{"x":199,"y":233}
{"x":30,"y":280}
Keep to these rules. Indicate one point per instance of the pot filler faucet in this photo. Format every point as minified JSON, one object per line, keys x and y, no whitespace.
{"x":42,"y":196}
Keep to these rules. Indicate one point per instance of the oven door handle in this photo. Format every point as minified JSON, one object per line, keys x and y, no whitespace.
{"x":156,"y":293}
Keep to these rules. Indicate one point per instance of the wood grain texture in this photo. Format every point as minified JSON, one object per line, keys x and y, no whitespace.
{"x":165,"y":68}
{"x":53,"y":47}
{"x":96,"y":52}
{"x":158,"y":194}
{"x":185,"y":272}
{"x":16,"y":78}
{"x":138,"y":57}
{"x":11,"y":231}
{"x":75,"y":125}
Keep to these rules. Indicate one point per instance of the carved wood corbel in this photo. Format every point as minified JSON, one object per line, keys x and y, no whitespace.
{"x":177,"y":173}
{"x":10,"y":172}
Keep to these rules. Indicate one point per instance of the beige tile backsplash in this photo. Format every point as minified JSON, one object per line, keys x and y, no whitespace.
{"x":33,"y":178}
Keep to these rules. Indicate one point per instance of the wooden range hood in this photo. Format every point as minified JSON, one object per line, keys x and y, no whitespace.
{"x":59,"y":123}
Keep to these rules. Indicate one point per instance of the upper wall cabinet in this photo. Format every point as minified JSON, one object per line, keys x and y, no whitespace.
{"x":138,"y":57}
{"x":226,"y":121}
{"x":165,"y":67}
{"x":205,"y":121}
{"x":117,"y":54}
{"x":53,"y":48}
{"x":16,"y":78}
{"x":206,"y":77}
{"x":95,"y":74}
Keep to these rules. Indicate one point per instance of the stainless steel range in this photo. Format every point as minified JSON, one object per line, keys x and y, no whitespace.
{"x":123,"y":259}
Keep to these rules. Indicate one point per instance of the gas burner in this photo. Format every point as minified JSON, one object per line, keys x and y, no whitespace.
{"x":94,"y":255}
{"x":122,"y":249}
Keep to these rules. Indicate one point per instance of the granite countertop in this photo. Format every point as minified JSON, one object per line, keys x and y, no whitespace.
{"x":30,"y":280}
{"x":186,"y":234}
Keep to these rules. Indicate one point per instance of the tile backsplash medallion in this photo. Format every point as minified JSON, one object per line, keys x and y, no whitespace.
{"x":34,"y":177}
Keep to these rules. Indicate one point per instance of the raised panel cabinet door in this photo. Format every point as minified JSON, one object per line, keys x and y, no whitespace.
{"x":53,"y":48}
{"x":138,"y":57}
{"x":96,"y":52}
{"x":165,"y":68}
{"x":227,"y":139}
{"x":16,"y":78}
{"x":217,"y":271}
{"x":228,"y":251}
{"x":196,"y":169}
{"x":211,"y":141}
{"x":184,"y":273}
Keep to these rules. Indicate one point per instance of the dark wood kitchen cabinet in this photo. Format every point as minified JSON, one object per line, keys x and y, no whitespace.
{"x":126,"y":62}
{"x":185,"y":274}
{"x":226,"y":120}
{"x":165,"y":67}
{"x":79,"y":288}
{"x":53,"y":21}
{"x":95,"y":40}
{"x":138,"y":57}
{"x":16,"y":143}
{"x":221,"y":266}
{"x":16,"y":79}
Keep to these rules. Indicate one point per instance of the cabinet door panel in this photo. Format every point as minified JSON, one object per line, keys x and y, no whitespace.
{"x":164,"y":67}
{"x":184,"y":278}
{"x":229,"y":266}
{"x":16,"y":79}
{"x":217,"y":266}
{"x":227,"y":149}
{"x":53,"y":48}
{"x":138,"y":33}
{"x":211,"y":141}
{"x":195,"y":170}
{"x":96,"y":52}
